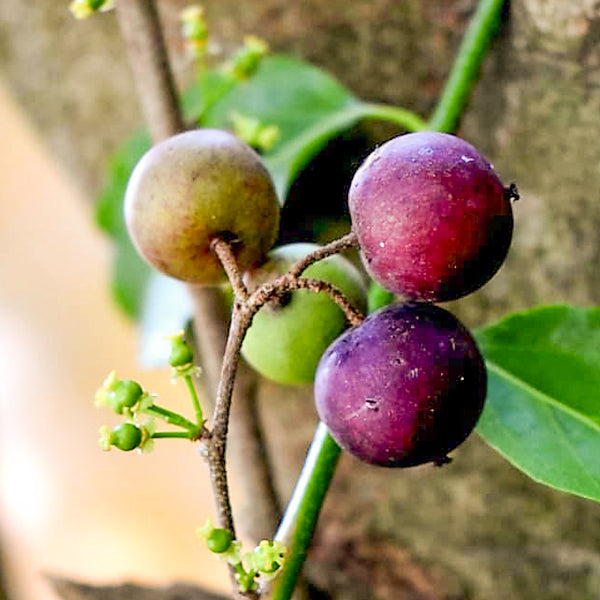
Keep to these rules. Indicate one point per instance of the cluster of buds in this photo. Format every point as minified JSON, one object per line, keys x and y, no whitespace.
{"x":82,"y":9}
{"x":254,"y":132}
{"x":247,"y":59}
{"x":251,"y":568}
{"x":194,"y":30}
{"x":126,"y":397}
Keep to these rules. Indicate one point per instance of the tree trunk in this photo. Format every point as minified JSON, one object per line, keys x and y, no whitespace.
{"x":477,"y":528}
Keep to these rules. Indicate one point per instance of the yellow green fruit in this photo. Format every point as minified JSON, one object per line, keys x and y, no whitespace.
{"x":193,"y":187}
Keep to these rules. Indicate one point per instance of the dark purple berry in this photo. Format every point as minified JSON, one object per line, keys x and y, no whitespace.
{"x":403,"y":388}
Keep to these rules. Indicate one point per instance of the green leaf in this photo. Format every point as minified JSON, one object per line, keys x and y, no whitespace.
{"x":543,"y":407}
{"x":129,"y":271}
{"x":109,"y":208}
{"x":308,"y":106}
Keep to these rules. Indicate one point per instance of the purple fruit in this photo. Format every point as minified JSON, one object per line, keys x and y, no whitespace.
{"x":403,"y":388}
{"x":433,"y":220}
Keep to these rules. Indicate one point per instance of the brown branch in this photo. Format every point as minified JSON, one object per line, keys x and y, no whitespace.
{"x":226,"y":255}
{"x":156,"y":90}
{"x":140,"y":27}
{"x":354,"y":316}
{"x":347,"y":241}
{"x":245,"y":307}
{"x":240,"y":321}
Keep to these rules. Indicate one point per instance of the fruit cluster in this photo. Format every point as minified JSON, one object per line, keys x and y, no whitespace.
{"x":434,"y":223}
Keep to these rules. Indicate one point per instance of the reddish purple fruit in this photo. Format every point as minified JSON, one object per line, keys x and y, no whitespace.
{"x":433,"y":220}
{"x":403,"y":388}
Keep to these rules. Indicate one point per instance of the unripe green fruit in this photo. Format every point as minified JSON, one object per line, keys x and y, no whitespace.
{"x":219,"y":540}
{"x":181,"y":354}
{"x":126,"y":436}
{"x":125,"y":395}
{"x":286,"y":341}
{"x":196,"y":186}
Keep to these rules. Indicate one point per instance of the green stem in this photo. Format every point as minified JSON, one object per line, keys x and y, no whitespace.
{"x":400,"y":116}
{"x":465,"y":70}
{"x":188,"y":435}
{"x":195,"y":400}
{"x":298,"y":525}
{"x":171,"y":417}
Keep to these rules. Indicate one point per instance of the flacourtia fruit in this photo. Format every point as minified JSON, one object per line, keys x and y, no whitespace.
{"x":193,"y":187}
{"x":432,"y":218}
{"x":403,"y":388}
{"x":286,"y":340}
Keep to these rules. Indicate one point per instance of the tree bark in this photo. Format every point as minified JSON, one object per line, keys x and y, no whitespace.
{"x":477,"y":528}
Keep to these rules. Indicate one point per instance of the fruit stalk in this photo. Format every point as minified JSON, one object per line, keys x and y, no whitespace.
{"x":217,"y":443}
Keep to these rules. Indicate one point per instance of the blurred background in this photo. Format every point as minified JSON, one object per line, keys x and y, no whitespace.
{"x":478,"y":529}
{"x":66,"y":507}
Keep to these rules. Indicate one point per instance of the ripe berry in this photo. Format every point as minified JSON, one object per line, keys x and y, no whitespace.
{"x":433,"y":220}
{"x":193,"y":187}
{"x":403,"y":388}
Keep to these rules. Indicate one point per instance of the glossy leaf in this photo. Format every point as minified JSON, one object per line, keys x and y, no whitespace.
{"x":308,"y":106}
{"x":543,"y":406}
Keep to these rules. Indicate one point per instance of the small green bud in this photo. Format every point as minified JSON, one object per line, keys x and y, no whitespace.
{"x":194,"y":30}
{"x":126,"y":436}
{"x":245,"y":63}
{"x":181,"y":354}
{"x":229,"y":552}
{"x":254,"y":132}
{"x":219,"y":540}
{"x":81,"y":9}
{"x":125,"y":395}
{"x":268,"y":557}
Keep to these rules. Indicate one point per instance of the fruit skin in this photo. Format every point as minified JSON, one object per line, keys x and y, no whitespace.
{"x":126,"y":437}
{"x":192,"y":187}
{"x":285,"y":342}
{"x":403,"y":388}
{"x":433,"y":220}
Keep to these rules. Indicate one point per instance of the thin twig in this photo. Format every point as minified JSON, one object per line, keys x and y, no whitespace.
{"x":225,"y":254}
{"x":354,"y":316}
{"x":240,"y":321}
{"x":347,"y":241}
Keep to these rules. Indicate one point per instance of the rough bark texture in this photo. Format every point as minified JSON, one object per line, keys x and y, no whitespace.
{"x":477,"y":528}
